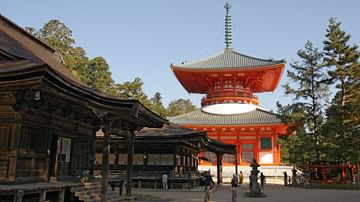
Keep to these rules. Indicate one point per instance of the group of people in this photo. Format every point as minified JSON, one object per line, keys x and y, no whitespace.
{"x":236,"y":181}
{"x":287,"y":179}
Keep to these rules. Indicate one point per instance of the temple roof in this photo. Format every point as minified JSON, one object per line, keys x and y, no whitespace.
{"x":173,"y":134}
{"x":229,"y":59}
{"x":25,"y":59}
{"x":199,"y":117}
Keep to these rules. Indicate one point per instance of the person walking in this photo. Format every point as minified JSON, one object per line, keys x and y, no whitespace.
{"x":208,"y":182}
{"x":234,"y":184}
{"x":285,"y":178}
{"x":164,"y":179}
{"x":262,"y":180}
{"x":294,"y":175}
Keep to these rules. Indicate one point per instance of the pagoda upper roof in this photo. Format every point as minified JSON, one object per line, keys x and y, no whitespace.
{"x":229,"y":59}
{"x":254,"y":117}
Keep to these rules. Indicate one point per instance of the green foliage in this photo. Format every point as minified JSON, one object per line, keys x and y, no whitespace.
{"x":344,"y":113}
{"x":310,"y":95}
{"x":344,"y":59}
{"x":99,"y":76}
{"x":335,"y":126}
{"x":297,"y":148}
{"x":95,"y":72}
{"x":180,"y":106}
{"x":133,"y":89}
{"x":58,"y":36}
{"x":157,"y":106}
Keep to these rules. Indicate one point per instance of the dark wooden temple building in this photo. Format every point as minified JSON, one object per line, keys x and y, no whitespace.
{"x":171,"y":150}
{"x":49,"y":119}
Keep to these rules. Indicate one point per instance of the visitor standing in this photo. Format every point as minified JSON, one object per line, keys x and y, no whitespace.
{"x":285,"y":178}
{"x":241,"y":177}
{"x":234,"y":184}
{"x":208,"y":182}
{"x":164,"y":179}
{"x":294,"y":174}
{"x":262,"y":180}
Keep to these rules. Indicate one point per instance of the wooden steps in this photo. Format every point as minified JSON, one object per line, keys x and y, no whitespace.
{"x":91,"y":192}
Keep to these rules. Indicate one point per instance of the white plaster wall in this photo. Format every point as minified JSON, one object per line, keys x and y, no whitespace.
{"x":266,"y":157}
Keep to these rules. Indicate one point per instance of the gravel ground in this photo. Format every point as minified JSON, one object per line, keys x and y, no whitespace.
{"x":222,"y":193}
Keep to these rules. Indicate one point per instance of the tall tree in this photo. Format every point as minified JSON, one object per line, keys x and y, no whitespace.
{"x":343,"y":58}
{"x":99,"y":75}
{"x":57,"y":35}
{"x":310,"y":93}
{"x":344,"y":113}
{"x":94,"y":72}
{"x":157,"y":106}
{"x":133,"y":89}
{"x":180,"y":106}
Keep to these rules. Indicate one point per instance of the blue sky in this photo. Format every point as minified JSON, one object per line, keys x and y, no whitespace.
{"x":141,"y":38}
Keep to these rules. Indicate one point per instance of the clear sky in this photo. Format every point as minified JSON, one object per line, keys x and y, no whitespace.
{"x":141,"y":38}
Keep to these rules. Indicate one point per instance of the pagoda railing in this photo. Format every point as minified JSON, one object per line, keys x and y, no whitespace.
{"x":230,"y":93}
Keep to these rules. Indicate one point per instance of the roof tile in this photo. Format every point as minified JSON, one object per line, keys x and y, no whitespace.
{"x":200,"y":117}
{"x":230,"y":59}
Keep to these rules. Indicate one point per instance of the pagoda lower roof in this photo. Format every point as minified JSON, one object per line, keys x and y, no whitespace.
{"x":199,"y":117}
{"x":229,"y":59}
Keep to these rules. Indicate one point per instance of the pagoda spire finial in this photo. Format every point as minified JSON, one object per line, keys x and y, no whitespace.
{"x":227,"y":25}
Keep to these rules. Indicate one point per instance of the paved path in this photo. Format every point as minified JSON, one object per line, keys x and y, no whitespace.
{"x":274,"y":193}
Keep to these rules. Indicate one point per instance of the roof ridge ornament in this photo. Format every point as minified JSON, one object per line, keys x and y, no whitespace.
{"x":227,"y":25}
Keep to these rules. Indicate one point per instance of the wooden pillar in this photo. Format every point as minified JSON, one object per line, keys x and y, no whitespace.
{"x":61,"y":197}
{"x":18,"y":196}
{"x":56,"y":159}
{"x":219,"y":168}
{"x":236,"y":160}
{"x":105,"y":161}
{"x":256,"y":146}
{"x":343,"y":174}
{"x":131,"y":140}
{"x":145,"y":158}
{"x":15,"y":135}
{"x":92,"y":157}
{"x":323,"y":173}
{"x":116,"y":153}
{"x":42,"y":196}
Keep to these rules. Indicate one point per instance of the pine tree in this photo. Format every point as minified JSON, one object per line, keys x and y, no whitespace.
{"x":310,"y":94}
{"x":344,"y":113}
{"x":99,"y":75}
{"x":134,"y":90}
{"x":157,"y":106}
{"x":180,"y":106}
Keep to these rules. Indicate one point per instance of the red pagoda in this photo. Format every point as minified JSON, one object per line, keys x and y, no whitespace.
{"x":230,"y":110}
